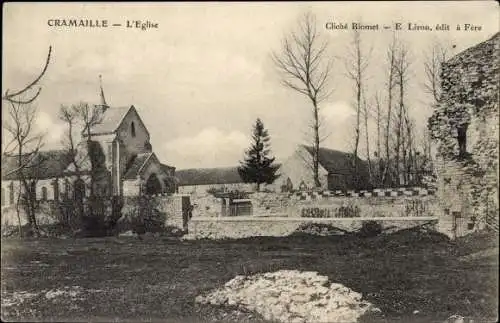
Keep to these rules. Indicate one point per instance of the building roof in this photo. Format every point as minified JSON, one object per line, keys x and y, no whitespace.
{"x":336,"y":161}
{"x":167,"y":168}
{"x":111,"y":120}
{"x":43,"y":165}
{"x":208,"y":176}
{"x":136,"y":164}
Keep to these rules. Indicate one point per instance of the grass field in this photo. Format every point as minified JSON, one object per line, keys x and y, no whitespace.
{"x":157,"y":279}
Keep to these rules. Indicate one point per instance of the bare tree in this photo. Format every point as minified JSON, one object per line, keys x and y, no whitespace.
{"x":403,"y":127}
{"x":306,"y":68}
{"x":73,"y":213}
{"x":356,"y":64}
{"x":89,"y":116}
{"x":433,"y":61}
{"x":69,"y":115}
{"x":86,"y":159}
{"x":378,"y":153}
{"x":391,"y":61}
{"x":366,"y":115}
{"x":18,"y":96}
{"x":24,"y":141}
{"x":26,"y":144}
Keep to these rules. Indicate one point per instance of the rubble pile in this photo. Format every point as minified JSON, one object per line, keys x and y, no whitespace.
{"x":291,"y":296}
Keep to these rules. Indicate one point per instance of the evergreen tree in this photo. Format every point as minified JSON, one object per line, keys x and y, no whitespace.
{"x":258,"y":166}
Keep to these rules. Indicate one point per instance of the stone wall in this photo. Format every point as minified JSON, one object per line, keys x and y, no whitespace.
{"x":202,"y":190}
{"x":172,"y":206}
{"x":132,"y":187}
{"x":168,"y":206}
{"x":269,"y":204}
{"x":280,"y":214}
{"x":49,"y":212}
{"x":46,"y":213}
{"x":468,"y":181}
{"x":243,"y":227}
{"x":207,"y":206}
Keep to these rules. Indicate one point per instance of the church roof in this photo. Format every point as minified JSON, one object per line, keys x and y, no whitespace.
{"x":167,"y":168}
{"x":42,"y":165}
{"x":111,"y":120}
{"x":136,"y":164}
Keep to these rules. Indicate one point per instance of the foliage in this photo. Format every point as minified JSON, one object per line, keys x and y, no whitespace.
{"x":258,"y":166}
{"x":141,"y":214}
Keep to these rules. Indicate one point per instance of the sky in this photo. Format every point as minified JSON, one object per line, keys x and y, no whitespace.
{"x":200,"y":79}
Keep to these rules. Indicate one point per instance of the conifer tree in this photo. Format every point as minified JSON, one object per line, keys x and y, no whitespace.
{"x":258,"y":166}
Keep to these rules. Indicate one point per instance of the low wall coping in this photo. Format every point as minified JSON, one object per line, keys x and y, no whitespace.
{"x":297,"y":219}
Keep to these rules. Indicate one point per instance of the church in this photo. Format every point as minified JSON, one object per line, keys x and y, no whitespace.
{"x":123,"y":159}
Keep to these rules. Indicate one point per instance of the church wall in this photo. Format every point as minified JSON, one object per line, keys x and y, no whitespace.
{"x":133,"y":144}
{"x":40,"y":185}
{"x":131,"y":187}
{"x":153,"y":167}
{"x":106,"y":142}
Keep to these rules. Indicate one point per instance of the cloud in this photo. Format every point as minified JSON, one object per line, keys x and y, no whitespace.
{"x":211,"y":147}
{"x":337,"y":111}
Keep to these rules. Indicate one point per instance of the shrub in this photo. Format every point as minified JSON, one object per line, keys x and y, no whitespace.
{"x":370,"y":229}
{"x":141,"y":215}
{"x":69,"y":215}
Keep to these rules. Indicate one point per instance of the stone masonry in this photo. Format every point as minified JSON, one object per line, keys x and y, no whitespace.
{"x":465,"y":127}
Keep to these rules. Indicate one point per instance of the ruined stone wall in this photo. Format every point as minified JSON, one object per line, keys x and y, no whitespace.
{"x":468,"y":183}
{"x":317,"y":205}
{"x":166,"y":208}
{"x":244,"y":227}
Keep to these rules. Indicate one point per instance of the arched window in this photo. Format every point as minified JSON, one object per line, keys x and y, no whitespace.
{"x":132,"y":129}
{"x":11,"y":193}
{"x":462,"y":140}
{"x":66,"y":189}
{"x":44,"y":193}
{"x":79,"y":190}
{"x":55,"y":187}
{"x":33,"y":190}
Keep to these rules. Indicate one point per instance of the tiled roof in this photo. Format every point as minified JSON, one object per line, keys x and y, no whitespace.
{"x":135,"y":165}
{"x":43,"y":165}
{"x":336,"y":161}
{"x":207,"y":176}
{"x":111,"y":119}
